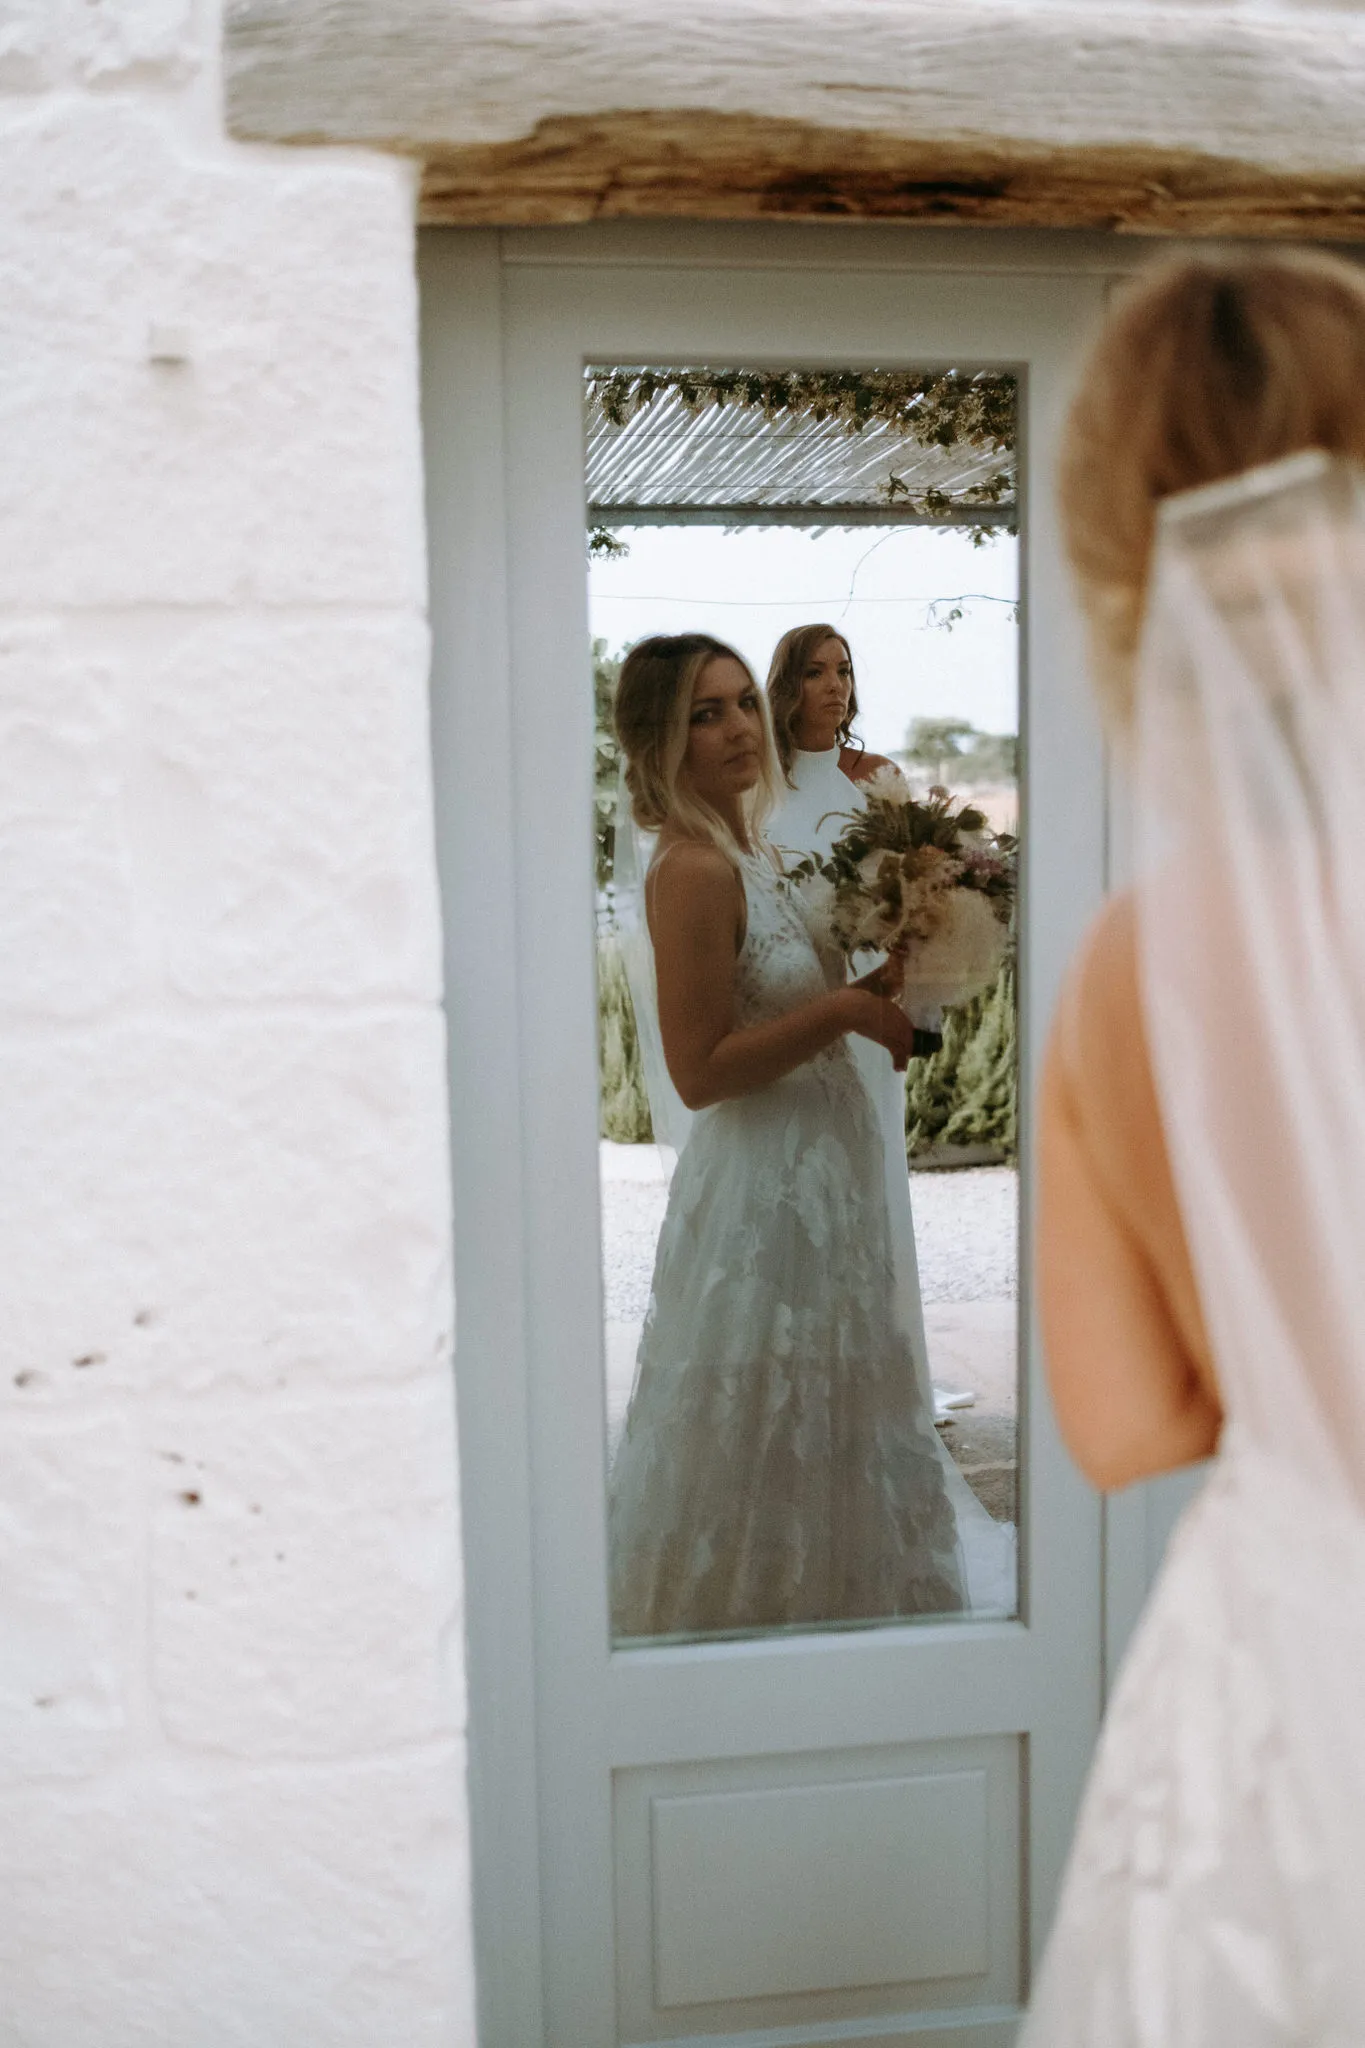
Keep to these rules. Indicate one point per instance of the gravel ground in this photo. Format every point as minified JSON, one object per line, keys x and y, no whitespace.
{"x":965,"y":1230}
{"x":967,"y":1233}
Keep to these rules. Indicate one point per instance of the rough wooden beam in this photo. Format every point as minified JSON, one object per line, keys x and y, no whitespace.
{"x":737,"y":167}
{"x":1179,"y":119}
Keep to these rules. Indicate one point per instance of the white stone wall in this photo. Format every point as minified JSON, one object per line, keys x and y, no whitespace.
{"x":231,"y":1710}
{"x":231,"y":1767}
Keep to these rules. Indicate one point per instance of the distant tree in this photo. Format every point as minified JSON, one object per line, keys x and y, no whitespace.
{"x":954,"y":748}
{"x":991,"y":757}
{"x":935,"y":743}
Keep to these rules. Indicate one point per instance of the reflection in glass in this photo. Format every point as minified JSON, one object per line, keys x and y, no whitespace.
{"x":782,"y":1466}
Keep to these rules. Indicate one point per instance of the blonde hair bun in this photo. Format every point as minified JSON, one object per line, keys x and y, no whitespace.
{"x":1206,"y":366}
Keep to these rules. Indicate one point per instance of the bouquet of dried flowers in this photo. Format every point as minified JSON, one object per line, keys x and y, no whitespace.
{"x":930,"y":878}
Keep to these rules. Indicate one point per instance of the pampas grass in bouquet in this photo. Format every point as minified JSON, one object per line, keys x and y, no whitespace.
{"x":931,"y":877}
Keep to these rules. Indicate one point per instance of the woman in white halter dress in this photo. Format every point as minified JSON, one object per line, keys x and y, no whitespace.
{"x":821,"y":787}
{"x":778,"y":1466}
{"x":812,"y":697}
{"x":1202,"y":1134}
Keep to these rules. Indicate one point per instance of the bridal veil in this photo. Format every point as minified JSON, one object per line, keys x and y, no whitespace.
{"x":1251,"y":839}
{"x":1215,"y":1886}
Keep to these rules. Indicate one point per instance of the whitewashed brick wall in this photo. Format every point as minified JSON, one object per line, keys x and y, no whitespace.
{"x":231,"y":1692}
{"x":231,"y":1768}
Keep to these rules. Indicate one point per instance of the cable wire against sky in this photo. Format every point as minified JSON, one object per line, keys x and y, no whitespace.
{"x":780,"y":603}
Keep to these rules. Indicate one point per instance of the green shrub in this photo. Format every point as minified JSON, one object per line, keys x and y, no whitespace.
{"x":967,"y":1093}
{"x":625,"y":1104}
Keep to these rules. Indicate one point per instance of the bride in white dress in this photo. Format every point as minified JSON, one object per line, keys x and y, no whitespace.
{"x":778,"y":1465}
{"x":812,"y":695}
{"x":1202,"y":1133}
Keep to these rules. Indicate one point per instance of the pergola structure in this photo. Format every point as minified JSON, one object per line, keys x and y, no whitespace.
{"x":733,"y":449}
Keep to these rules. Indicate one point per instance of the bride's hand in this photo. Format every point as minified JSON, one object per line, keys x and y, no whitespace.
{"x":889,"y":978}
{"x":875,"y":1016}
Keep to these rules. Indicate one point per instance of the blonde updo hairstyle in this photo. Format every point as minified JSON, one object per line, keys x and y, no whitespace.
{"x":652,"y":712}
{"x":787,"y":679}
{"x":1206,"y":367}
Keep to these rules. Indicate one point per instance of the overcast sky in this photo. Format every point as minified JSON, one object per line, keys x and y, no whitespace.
{"x":875,"y":585}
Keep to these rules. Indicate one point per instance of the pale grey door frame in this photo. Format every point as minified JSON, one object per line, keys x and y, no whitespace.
{"x":464,"y":348}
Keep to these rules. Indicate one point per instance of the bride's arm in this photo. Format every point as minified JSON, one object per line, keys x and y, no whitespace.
{"x":1127,"y":1355}
{"x":696,"y":920}
{"x":1128,"y":1395}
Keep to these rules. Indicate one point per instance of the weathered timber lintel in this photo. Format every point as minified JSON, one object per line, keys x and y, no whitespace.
{"x":633,"y":166}
{"x":1170,"y":119}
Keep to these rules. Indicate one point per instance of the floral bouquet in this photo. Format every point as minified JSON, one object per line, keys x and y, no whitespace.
{"x":930,"y":878}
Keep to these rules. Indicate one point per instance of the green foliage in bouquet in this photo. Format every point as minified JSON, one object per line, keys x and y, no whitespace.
{"x":625,"y":1104}
{"x":967,"y":1093}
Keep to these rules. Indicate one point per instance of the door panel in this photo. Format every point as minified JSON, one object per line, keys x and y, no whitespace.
{"x":762,"y":1892}
{"x":732,"y":1839}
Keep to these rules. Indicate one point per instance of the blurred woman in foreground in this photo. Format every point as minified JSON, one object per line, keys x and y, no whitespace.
{"x":1202,"y":1135}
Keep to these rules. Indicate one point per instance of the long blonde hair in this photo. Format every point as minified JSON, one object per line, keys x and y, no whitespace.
{"x":1207,"y":366}
{"x":786,"y":680}
{"x":652,"y":712}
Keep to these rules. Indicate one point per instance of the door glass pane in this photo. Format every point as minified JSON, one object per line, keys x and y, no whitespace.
{"x":810,"y":1279}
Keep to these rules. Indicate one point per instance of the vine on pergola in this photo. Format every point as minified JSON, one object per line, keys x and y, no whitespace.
{"x":937,"y":408}
{"x":933,"y":408}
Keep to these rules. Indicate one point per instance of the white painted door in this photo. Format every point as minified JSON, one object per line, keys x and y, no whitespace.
{"x":815,"y":1839}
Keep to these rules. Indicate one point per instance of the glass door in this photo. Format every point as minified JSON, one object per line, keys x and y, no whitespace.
{"x":776,"y":1566}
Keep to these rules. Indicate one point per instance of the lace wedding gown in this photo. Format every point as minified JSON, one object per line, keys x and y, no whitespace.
{"x":779,"y":1464}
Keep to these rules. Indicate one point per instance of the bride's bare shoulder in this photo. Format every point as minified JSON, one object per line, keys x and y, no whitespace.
{"x":1108,"y":957}
{"x":694,"y":859}
{"x":686,"y":869}
{"x":861,"y":767}
{"x":1099,"y":1044}
{"x":1103,"y":981}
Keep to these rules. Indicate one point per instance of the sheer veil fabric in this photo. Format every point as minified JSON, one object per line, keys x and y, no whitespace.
{"x":1217,"y":1880}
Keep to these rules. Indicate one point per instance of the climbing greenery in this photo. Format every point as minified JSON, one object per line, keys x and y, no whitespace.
{"x":624,"y":1102}
{"x":967,"y":1093}
{"x":606,"y":757}
{"x":936,"y":408}
{"x":974,"y":409}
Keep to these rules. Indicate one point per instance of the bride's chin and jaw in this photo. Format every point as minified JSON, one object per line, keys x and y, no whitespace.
{"x":725,"y":785}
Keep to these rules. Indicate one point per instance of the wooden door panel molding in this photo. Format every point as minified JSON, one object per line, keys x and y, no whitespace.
{"x":1056,"y":114}
{"x":819,"y":1891}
